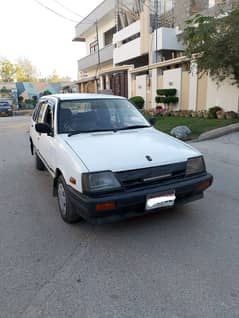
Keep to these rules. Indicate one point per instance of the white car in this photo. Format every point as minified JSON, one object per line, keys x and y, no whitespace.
{"x":108,"y":162}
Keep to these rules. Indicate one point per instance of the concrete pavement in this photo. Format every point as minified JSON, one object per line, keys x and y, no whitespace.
{"x":180,"y":263}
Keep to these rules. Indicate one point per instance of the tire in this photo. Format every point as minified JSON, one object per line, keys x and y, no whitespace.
{"x":39,"y":164}
{"x":66,"y":207}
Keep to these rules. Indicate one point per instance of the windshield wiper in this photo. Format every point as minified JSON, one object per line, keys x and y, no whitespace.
{"x":134,"y":127}
{"x":77,"y":132}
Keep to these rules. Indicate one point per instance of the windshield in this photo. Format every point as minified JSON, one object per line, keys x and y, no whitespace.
{"x":76,"y":116}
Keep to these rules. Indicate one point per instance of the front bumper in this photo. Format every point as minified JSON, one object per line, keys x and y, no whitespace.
{"x":5,"y":113}
{"x":132,"y":203}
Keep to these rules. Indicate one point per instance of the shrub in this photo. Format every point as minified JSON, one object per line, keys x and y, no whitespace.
{"x":45,"y":93}
{"x":138,"y":101}
{"x":167,"y":92}
{"x":231,"y":115}
{"x":212,"y":112}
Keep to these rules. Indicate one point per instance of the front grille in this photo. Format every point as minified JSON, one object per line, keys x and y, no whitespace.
{"x":149,"y":176}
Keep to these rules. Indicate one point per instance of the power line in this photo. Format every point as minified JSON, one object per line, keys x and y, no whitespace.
{"x":53,"y":11}
{"x":68,"y":9}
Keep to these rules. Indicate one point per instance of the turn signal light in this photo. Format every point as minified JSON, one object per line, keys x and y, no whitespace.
{"x":203,"y":185}
{"x":105,"y":206}
{"x":72,"y":180}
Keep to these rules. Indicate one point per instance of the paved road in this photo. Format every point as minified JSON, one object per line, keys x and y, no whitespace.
{"x":180,"y":263}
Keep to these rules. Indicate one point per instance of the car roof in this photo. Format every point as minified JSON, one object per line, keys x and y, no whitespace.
{"x":76,"y":96}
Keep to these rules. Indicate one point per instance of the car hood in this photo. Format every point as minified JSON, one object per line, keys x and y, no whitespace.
{"x":127,"y":150}
{"x":5,"y":107}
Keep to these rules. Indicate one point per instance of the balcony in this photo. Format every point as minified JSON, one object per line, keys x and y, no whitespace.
{"x":105,"y":8}
{"x":167,"y":40}
{"x":106,"y":54}
{"x":127,"y":43}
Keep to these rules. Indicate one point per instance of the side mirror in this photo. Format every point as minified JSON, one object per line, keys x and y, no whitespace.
{"x":152,"y":121}
{"x":43,"y":128}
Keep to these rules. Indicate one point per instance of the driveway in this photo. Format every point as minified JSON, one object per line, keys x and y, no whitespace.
{"x":180,"y":263}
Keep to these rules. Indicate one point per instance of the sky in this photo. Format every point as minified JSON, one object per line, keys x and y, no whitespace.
{"x":31,"y":31}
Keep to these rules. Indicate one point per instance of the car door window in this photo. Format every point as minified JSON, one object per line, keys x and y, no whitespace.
{"x":41,"y":113}
{"x":48,"y":117}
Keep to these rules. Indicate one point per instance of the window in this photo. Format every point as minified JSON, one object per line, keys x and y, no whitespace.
{"x":93,"y":47}
{"x":98,"y":115}
{"x":131,"y":38}
{"x":108,"y":36}
{"x":41,"y":112}
{"x":35,"y":112}
{"x":48,"y":118}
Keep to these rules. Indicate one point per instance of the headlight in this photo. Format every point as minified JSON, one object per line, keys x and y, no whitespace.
{"x":99,"y":181}
{"x":195,"y":165}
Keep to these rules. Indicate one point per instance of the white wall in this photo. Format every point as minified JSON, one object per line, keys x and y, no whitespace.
{"x":127,"y":51}
{"x":141,"y":87}
{"x":104,"y":25}
{"x":225,"y":95}
{"x":167,"y":40}
{"x":173,"y":79}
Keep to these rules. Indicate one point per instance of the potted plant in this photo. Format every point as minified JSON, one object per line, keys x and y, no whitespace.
{"x":194,"y":114}
{"x":205,"y":114}
{"x":220,"y":114}
{"x":231,"y":115}
{"x":213,"y":111}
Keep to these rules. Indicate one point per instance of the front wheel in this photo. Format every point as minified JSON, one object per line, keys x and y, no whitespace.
{"x":66,"y":207}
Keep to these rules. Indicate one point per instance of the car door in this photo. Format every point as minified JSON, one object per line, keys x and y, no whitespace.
{"x":37,"y":117}
{"x":47,"y":142}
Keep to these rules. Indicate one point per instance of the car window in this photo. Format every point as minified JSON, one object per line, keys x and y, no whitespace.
{"x":48,"y":117}
{"x":98,"y":115}
{"x":35,"y":112}
{"x":41,"y":113}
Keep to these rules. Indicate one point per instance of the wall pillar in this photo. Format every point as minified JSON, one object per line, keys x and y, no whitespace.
{"x":154,"y":86}
{"x":193,"y":87}
{"x":101,"y":82}
{"x":107,"y":80}
{"x":130,"y":79}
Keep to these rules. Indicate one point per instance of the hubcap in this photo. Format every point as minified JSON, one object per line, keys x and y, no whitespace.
{"x":62,"y":198}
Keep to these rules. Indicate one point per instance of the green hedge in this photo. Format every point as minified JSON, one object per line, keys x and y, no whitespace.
{"x":167,"y":92}
{"x":167,"y":100}
{"x":213,"y":111}
{"x":138,"y":101}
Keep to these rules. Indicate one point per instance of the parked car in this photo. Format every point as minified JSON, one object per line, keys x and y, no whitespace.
{"x":5,"y":109}
{"x":108,"y":162}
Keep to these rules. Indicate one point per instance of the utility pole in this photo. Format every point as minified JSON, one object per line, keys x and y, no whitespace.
{"x":156,"y":27}
{"x":98,"y":53}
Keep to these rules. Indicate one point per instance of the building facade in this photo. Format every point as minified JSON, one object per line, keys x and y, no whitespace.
{"x":133,"y":48}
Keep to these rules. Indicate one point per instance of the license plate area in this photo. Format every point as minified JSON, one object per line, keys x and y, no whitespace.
{"x":160,"y":200}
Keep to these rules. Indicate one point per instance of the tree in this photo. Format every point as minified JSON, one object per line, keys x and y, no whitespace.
{"x":45,"y":93}
{"x":7,"y":70}
{"x":55,"y":78}
{"x":25,"y":71}
{"x":213,"y":42}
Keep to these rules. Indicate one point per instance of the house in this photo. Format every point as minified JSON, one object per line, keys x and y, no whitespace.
{"x":134,"y":47}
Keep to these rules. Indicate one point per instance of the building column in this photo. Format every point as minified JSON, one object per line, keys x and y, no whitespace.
{"x":101,"y":82}
{"x":107,"y":80}
{"x":193,"y":87}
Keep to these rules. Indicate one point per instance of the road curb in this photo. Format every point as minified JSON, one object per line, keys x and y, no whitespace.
{"x":219,"y":132}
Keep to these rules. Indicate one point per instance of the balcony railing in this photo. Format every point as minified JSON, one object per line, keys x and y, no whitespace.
{"x":106,"y":54}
